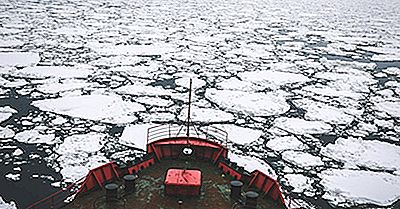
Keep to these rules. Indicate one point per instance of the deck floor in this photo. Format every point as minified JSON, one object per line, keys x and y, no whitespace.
{"x":150,"y":192}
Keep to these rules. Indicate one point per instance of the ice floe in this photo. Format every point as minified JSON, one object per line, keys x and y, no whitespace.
{"x":6,"y":133}
{"x":6,"y":205}
{"x":18,"y":152}
{"x":321,"y":111}
{"x":392,"y":71}
{"x":251,"y":164}
{"x":90,"y":142}
{"x":349,"y":187}
{"x":63,"y":86}
{"x":392,"y":108}
{"x":240,"y":135}
{"x":199,"y":114}
{"x":300,"y":183}
{"x":34,"y":137}
{"x":79,"y":153}
{"x":135,"y":135}
{"x":154,"y":101}
{"x":256,"y":104}
{"x":302,"y":159}
{"x":301,"y":126}
{"x":184,"y":82}
{"x":272,"y":79}
{"x":79,"y":71}
{"x":372,"y":154}
{"x":19,"y":59}
{"x":285,"y":143}
{"x":13,"y":176}
{"x":139,"y":89}
{"x":140,"y":50}
{"x":6,"y":112}
{"x":105,"y":108}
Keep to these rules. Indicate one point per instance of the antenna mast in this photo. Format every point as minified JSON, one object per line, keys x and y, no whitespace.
{"x":190,"y":101}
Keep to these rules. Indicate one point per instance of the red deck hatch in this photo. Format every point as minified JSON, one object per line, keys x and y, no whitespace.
{"x":183,"y":182}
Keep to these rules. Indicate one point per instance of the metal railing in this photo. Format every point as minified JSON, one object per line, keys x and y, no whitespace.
{"x":59,"y":198}
{"x":211,"y":133}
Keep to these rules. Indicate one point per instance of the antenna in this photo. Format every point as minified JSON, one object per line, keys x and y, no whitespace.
{"x":190,"y":101}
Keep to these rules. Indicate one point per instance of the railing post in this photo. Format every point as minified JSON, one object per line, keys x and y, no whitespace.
{"x":169,"y":130}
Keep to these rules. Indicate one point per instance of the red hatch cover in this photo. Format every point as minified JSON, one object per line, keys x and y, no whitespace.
{"x":183,"y":182}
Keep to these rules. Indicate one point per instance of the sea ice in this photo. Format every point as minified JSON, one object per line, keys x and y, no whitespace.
{"x":154,"y":101}
{"x":13,"y":176}
{"x":300,"y":183}
{"x":392,"y":71}
{"x":6,"y":112}
{"x":18,"y":152}
{"x":272,"y":79}
{"x":258,"y":104}
{"x":240,"y":135}
{"x":323,"y":112}
{"x":78,"y":154}
{"x":206,"y":115}
{"x":285,"y":143}
{"x":79,"y":71}
{"x":135,"y":135}
{"x":301,"y":127}
{"x":5,"y":205}
{"x":251,"y":164}
{"x":90,"y":142}
{"x":196,"y":82}
{"x":358,"y":186}
{"x":6,"y":133}
{"x":238,"y":85}
{"x":138,"y":89}
{"x":104,"y":108}
{"x":34,"y":137}
{"x":390,"y":107}
{"x":158,"y":117}
{"x":302,"y":159}
{"x":139,"y":50}
{"x":19,"y":59}
{"x":372,"y":154}
{"x":62,"y":86}
{"x":386,"y":57}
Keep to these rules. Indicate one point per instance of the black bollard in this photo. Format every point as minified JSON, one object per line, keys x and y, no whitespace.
{"x":251,"y":200}
{"x":111,"y":191}
{"x":236,"y":189}
{"x":130,"y":183}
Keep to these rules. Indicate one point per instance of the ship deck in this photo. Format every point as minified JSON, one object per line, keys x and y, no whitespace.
{"x":150,"y":191}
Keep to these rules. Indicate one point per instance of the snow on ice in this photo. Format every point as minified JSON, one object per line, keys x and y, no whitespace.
{"x":18,"y":58}
{"x":285,"y":143}
{"x":301,"y":127}
{"x":6,"y":205}
{"x":35,"y":137}
{"x":105,"y":108}
{"x":302,"y":159}
{"x":6,"y":112}
{"x":256,"y":104}
{"x":135,"y":135}
{"x":372,"y":154}
{"x":206,"y":115}
{"x":240,"y":135}
{"x":79,"y":153}
{"x":359,"y":186}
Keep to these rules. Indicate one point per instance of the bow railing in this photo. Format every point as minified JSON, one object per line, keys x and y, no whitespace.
{"x":211,"y":133}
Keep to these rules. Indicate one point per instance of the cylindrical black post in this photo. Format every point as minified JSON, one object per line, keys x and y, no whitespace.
{"x":236,"y":189}
{"x":130,"y":183}
{"x":251,"y":200}
{"x":111,"y":191}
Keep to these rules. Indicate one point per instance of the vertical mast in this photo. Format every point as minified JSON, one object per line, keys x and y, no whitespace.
{"x":190,"y":101}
